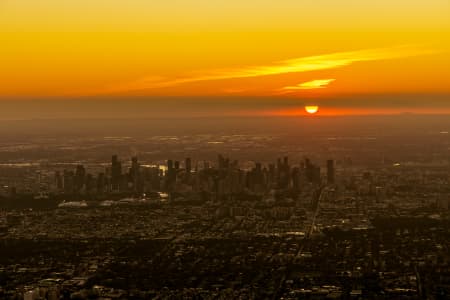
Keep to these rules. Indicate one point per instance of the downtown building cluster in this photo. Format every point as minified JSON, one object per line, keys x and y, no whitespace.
{"x":222,"y":179}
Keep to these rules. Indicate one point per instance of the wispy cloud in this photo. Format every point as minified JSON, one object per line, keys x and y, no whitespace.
{"x":313,"y":84}
{"x":295,"y":65}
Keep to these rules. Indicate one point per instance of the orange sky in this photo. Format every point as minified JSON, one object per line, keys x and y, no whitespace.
{"x":281,"y":49}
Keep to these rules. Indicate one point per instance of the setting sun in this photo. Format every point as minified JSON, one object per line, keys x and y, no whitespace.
{"x":311,"y":109}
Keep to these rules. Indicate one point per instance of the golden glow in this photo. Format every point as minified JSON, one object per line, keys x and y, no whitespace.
{"x":346,"y":111}
{"x":296,"y":65}
{"x":311,"y":109}
{"x":309,"y":85}
{"x":280,"y":49}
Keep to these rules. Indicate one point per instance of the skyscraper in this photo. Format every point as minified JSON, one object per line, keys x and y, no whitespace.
{"x":134,"y":172}
{"x":80,"y":174}
{"x":116,"y":172}
{"x":188,"y":165}
{"x":171,"y":174}
{"x":169,"y":165}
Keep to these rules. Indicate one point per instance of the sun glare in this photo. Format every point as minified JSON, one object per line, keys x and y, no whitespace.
{"x":311,"y":109}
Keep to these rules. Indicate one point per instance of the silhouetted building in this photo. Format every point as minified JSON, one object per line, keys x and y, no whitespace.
{"x":135,"y":173}
{"x":116,"y":173}
{"x":169,"y":164}
{"x":171,"y":175}
{"x":188,"y":168}
{"x":80,"y":174}
{"x":68,"y":182}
